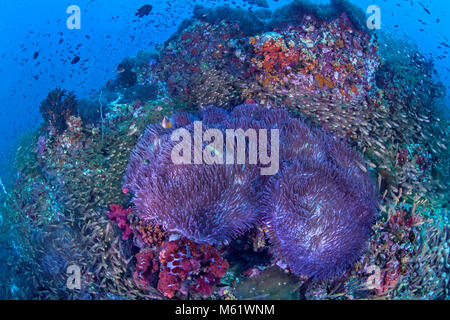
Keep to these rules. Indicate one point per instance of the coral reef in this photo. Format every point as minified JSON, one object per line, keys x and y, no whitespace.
{"x":147,"y":235}
{"x":89,"y":111}
{"x":317,"y":59}
{"x":57,"y":108}
{"x":184,"y":260}
{"x":398,"y":250}
{"x":295,"y":13}
{"x":120,"y":215}
{"x":378,"y":95}
{"x":146,"y":266}
{"x":126,"y":77}
{"x":312,"y":55}
{"x":321,"y":191}
{"x":209,"y":53}
{"x":248,"y":21}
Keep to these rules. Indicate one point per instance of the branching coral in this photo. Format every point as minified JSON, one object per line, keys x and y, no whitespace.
{"x":57,"y":108}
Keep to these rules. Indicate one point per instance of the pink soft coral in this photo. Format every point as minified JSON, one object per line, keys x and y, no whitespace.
{"x":119,"y":214}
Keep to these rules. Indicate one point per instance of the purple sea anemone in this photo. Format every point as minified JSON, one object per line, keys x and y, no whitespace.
{"x":320,"y":213}
{"x":205,"y":203}
{"x":320,"y":206}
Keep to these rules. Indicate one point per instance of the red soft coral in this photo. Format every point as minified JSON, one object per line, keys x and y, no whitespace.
{"x":146,"y":265}
{"x":119,"y":214}
{"x":183,"y":259}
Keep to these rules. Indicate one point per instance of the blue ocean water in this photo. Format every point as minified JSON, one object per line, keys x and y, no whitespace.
{"x":39,"y":53}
